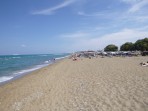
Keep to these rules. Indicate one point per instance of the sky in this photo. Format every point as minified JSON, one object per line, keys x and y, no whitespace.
{"x":58,"y":26}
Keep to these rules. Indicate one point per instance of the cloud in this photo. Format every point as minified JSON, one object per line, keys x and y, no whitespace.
{"x":99,"y":42}
{"x":103,"y":14}
{"x":76,"y":35}
{"x":131,"y":1}
{"x":136,"y":13}
{"x":137,"y":6}
{"x":51,"y":10}
{"x":85,"y":14}
{"x":124,"y":35}
{"x":120,"y":37}
{"x":23,"y":45}
{"x":141,"y":18}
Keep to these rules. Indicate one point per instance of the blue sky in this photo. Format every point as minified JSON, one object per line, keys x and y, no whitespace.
{"x":57,"y":26}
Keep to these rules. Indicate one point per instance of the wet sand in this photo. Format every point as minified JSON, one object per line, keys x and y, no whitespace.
{"x":98,"y":84}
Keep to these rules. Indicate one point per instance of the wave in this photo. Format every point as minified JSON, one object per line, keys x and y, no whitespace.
{"x":58,"y":58}
{"x":37,"y":66}
{"x":47,"y":62}
{"x":43,"y":55}
{"x":10,"y":58}
{"x":12,"y":74}
{"x":5,"y":78}
{"x":21,"y":72}
{"x":16,"y":57}
{"x":29,"y":70}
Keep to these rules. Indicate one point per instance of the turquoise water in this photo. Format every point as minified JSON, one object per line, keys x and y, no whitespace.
{"x":12,"y":66}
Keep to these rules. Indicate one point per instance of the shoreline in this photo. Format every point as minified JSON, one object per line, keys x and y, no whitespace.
{"x":89,"y":84}
{"x":19,"y":76}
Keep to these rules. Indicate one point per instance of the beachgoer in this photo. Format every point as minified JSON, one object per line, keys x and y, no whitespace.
{"x":144,"y":64}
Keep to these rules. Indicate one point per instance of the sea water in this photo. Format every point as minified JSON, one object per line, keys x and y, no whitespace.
{"x":12,"y":66}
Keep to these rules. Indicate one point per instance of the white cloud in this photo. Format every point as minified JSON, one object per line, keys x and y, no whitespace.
{"x":141,"y":18}
{"x":23,"y":45}
{"x":125,"y":35}
{"x":51,"y":10}
{"x":135,"y":13}
{"x":84,"y":14}
{"x":76,"y":35}
{"x":102,"y":14}
{"x":117,"y":38}
{"x":131,"y":1}
{"x":137,"y":6}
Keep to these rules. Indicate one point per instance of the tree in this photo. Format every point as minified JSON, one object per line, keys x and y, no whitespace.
{"x":111,"y":47}
{"x":141,"y":45}
{"x":128,"y":46}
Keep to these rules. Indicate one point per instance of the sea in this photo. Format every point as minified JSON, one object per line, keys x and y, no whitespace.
{"x":14,"y":66}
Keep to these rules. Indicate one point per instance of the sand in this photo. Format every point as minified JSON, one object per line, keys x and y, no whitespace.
{"x":98,"y":84}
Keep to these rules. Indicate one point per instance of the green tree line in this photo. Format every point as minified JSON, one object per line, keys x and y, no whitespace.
{"x":139,"y":45}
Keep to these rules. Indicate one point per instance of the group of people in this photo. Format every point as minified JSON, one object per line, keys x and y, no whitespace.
{"x":144,"y":63}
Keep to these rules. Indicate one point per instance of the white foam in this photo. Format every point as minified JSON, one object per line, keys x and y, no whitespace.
{"x":47,"y":62}
{"x":5,"y":78}
{"x":16,"y":57}
{"x":61,"y":57}
{"x":43,"y":55}
{"x":29,"y":70}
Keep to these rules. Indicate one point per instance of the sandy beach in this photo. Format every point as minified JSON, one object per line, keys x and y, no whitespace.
{"x":97,"y":84}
